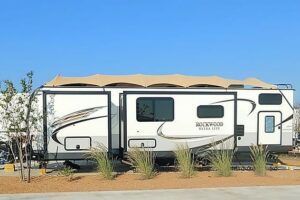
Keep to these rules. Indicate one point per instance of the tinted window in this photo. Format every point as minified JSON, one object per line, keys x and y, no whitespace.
{"x":154,"y":109}
{"x":270,"y":99}
{"x":269,"y":124}
{"x":206,"y":111}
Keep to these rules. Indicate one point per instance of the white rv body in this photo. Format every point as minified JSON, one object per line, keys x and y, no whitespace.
{"x":74,"y":121}
{"x":122,"y":118}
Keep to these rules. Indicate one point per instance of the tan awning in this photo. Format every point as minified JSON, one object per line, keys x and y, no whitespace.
{"x":140,"y":80}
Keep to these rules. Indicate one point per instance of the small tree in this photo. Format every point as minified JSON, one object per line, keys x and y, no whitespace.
{"x":19,"y":117}
{"x":6,"y":113}
{"x":297,"y":123}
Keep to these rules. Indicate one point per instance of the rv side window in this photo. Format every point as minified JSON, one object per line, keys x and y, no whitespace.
{"x":269,"y":124}
{"x":270,"y":99}
{"x":208,"y":111}
{"x":150,"y":109}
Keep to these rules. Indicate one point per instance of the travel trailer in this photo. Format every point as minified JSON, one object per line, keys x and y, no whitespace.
{"x":160,"y":112}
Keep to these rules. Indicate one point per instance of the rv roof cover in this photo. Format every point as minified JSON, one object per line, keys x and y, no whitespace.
{"x":141,"y":80}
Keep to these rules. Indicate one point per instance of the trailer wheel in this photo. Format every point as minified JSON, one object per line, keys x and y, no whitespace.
{"x":202,"y":160}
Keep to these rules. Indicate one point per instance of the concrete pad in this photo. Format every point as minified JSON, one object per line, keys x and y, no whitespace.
{"x":245,"y":193}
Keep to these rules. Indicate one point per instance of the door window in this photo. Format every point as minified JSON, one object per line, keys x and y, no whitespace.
{"x":269,"y":124}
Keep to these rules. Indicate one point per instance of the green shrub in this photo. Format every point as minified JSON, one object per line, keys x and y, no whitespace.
{"x":104,"y":164}
{"x":185,"y":161}
{"x":221,"y":160}
{"x":143,"y":161}
{"x":259,"y":158}
{"x":67,"y":172}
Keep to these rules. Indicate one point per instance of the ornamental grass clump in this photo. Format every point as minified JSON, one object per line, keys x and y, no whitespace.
{"x":185,"y":161}
{"x":67,"y":172}
{"x":221,"y":160}
{"x":104,"y":163}
{"x":143,"y":161}
{"x":259,"y":158}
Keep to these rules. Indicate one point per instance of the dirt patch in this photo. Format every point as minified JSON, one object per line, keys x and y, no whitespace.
{"x":290,"y":160}
{"x":166,"y":180}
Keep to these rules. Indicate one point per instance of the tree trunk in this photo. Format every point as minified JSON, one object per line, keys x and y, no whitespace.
{"x":28,"y":159}
{"x":19,"y":144}
{"x":28,"y":135}
{"x":13,"y":153}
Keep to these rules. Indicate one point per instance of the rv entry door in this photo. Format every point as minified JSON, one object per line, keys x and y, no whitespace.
{"x":269,"y":128}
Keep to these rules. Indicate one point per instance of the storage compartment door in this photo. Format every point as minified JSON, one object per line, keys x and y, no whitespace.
{"x":78,"y":143}
{"x":142,"y":143}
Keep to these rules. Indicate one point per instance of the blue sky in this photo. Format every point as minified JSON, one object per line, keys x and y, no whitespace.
{"x":234,"y":39}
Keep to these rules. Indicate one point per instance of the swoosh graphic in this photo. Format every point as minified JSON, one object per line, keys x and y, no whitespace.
{"x":54,"y":133}
{"x":200,"y":148}
{"x":73,"y":118}
{"x":160,"y":133}
{"x":240,"y":99}
{"x":76,"y":115}
{"x":287,"y":119}
{"x":207,"y":146}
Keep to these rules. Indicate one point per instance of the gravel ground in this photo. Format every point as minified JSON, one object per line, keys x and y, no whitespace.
{"x":132,"y":181}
